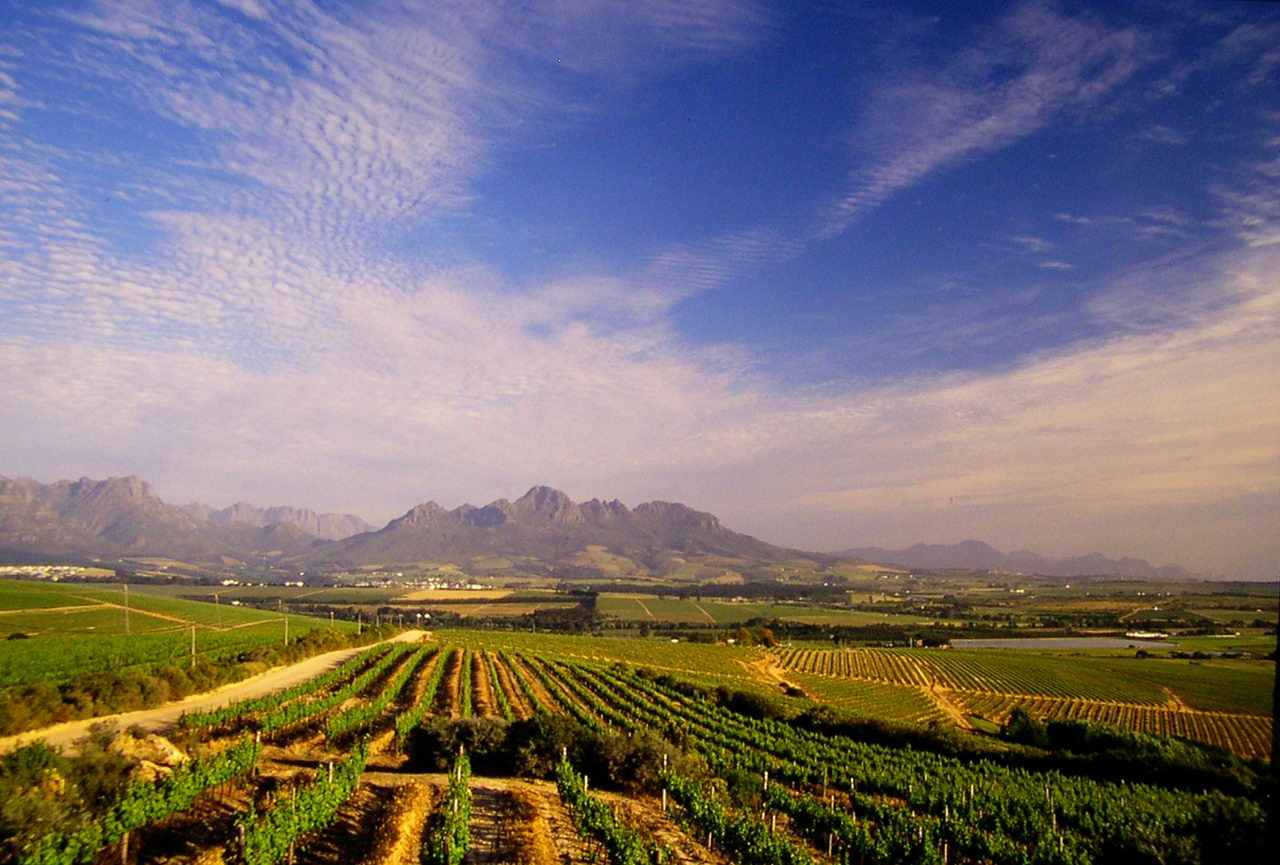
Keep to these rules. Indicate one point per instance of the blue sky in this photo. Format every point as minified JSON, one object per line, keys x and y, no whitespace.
{"x":843,"y":274}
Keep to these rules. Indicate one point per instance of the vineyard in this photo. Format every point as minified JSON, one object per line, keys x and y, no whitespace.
{"x":1147,"y":696}
{"x":407,"y":750}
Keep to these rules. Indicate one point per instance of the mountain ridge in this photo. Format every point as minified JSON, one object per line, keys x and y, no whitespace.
{"x":979,"y":555}
{"x":122,"y":516}
{"x":327,"y":526}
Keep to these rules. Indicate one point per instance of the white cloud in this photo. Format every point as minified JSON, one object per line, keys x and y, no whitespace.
{"x":1035,"y":64}
{"x":268,"y":350}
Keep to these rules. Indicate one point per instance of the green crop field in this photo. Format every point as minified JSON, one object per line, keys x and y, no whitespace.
{"x":709,"y":611}
{"x":81,"y":629}
{"x":873,"y":699}
{"x":1211,"y":686}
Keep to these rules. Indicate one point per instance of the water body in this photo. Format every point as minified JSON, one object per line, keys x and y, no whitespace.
{"x":1063,"y":643}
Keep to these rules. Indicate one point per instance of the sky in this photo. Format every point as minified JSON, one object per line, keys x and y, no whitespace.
{"x":841,"y":273}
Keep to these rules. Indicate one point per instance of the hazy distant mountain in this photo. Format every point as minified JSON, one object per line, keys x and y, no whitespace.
{"x":978,"y":555}
{"x":326,"y":526}
{"x":118,"y":516}
{"x":545,"y":524}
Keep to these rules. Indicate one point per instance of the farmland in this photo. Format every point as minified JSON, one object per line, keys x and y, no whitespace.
{"x":74,"y":651}
{"x":581,"y":749}
{"x":1223,"y":703}
{"x":650,"y":608}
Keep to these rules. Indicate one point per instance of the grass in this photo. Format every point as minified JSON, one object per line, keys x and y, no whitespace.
{"x":653,"y":608}
{"x":1214,"y":686}
{"x":17,"y":595}
{"x":91,"y":637}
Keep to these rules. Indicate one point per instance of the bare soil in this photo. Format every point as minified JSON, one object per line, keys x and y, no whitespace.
{"x":646,"y":815}
{"x":515,"y":696}
{"x":483,"y":703}
{"x":544,"y":696}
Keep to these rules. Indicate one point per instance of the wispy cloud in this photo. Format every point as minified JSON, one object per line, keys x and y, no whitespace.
{"x":1162,"y":134}
{"x":1036,"y":63}
{"x":269,"y":338}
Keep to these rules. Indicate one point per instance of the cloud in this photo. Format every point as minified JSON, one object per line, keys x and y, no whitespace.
{"x":269,"y":347}
{"x":1035,"y":64}
{"x":1161,"y":134}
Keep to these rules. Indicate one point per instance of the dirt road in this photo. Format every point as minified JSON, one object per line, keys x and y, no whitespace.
{"x":163,"y":717}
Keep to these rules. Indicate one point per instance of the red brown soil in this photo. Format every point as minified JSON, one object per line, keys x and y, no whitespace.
{"x":483,"y":703}
{"x":522,"y":670}
{"x":520,"y":704}
{"x":448,"y":700}
{"x":645,"y":815}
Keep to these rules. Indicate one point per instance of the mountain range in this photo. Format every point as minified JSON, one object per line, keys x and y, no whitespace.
{"x":979,"y":555}
{"x":324,"y":526}
{"x":124,"y":517}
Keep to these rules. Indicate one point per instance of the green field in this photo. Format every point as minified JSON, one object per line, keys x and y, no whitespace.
{"x":709,"y":611}
{"x":81,"y":629}
{"x":873,"y":699}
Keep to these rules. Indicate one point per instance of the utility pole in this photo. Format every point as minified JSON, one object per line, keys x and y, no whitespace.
{"x":193,"y":646}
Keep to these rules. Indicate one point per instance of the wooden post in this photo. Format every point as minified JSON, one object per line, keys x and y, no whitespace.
{"x":124,"y":849}
{"x":664,"y":798}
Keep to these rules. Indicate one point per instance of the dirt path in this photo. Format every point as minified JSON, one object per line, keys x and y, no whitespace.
{"x":769,"y":670}
{"x":938,"y":695}
{"x":648,"y":612}
{"x":701,"y":609}
{"x":164,"y":717}
{"x":74,"y":608}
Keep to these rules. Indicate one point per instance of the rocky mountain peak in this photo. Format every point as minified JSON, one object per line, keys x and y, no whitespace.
{"x":546,"y":504}
{"x":426,"y":514}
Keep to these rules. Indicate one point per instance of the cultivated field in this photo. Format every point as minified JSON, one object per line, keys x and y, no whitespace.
{"x":572,"y":753}
{"x":1223,"y":703}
